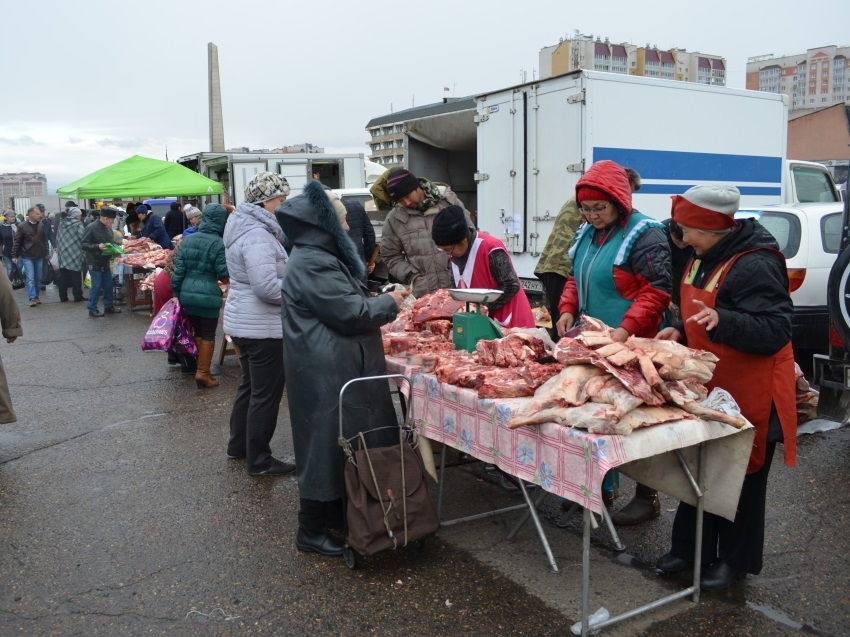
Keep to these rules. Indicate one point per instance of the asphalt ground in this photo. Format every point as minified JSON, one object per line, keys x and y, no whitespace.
{"x":121,"y":515}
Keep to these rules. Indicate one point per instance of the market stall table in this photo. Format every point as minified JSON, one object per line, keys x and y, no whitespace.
{"x":571,"y":463}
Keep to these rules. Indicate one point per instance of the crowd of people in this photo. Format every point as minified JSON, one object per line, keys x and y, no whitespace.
{"x":291,"y":278}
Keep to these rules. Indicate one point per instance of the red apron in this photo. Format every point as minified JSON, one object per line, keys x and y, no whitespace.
{"x":514,"y":313}
{"x":755,"y":381}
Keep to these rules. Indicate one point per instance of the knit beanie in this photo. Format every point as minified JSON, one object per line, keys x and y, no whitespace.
{"x":264,"y":186}
{"x":192,"y":212}
{"x":450,"y":226}
{"x":589,"y":193}
{"x":339,"y":208}
{"x":707,"y":207}
{"x":401,"y":182}
{"x":75,"y":212}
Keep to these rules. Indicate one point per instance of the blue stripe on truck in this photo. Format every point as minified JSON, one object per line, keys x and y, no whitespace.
{"x":679,"y":189}
{"x":681,"y":166}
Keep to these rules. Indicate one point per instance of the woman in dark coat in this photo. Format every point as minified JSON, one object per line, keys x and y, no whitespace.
{"x":200,"y":265}
{"x":735,"y":304}
{"x":331,"y":334}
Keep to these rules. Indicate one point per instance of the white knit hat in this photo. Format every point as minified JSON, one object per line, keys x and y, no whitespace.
{"x":707,"y":207}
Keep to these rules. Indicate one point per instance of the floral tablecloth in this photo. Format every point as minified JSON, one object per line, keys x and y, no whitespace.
{"x":571,"y":463}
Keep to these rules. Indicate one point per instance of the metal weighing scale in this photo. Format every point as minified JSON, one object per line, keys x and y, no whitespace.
{"x":470,"y":327}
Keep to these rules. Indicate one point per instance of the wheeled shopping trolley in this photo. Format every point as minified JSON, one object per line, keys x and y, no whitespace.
{"x":387,"y":504}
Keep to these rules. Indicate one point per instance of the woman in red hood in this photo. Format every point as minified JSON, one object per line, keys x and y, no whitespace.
{"x":622,"y":276}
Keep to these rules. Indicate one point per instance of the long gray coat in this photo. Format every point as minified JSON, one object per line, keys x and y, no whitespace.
{"x":10,"y":318}
{"x":331,"y":334}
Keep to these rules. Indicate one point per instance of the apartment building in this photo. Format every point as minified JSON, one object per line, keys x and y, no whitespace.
{"x":21,"y":185}
{"x":386,"y":143}
{"x":600,"y":54}
{"x":818,"y":78}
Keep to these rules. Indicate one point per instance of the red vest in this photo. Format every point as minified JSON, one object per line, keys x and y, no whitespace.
{"x":514,"y":313}
{"x":755,"y":381}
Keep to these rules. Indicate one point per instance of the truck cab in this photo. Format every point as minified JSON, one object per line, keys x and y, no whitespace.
{"x":809,"y":182}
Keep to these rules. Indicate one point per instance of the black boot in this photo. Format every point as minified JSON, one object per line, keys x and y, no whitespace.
{"x":643,"y":507}
{"x":312,"y":533}
{"x":188,"y":364}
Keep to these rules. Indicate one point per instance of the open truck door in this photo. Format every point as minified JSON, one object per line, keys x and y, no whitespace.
{"x":832,"y":371}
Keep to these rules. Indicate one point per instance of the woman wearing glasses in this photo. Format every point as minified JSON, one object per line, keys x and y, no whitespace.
{"x":621,"y":259}
{"x":622,"y":276}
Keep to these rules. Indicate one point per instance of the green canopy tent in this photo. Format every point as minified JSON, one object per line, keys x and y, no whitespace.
{"x":140,"y":176}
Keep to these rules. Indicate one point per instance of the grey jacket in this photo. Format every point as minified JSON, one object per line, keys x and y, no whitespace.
{"x":256,"y":262}
{"x":331,"y":334}
{"x":408,"y":250}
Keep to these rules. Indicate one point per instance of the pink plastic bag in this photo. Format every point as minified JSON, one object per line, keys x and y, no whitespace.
{"x":170,"y":329}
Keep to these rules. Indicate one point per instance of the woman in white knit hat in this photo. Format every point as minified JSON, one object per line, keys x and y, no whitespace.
{"x":735,"y":303}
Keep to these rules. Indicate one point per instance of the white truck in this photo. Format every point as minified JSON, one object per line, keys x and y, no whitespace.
{"x":234,"y":170}
{"x":535,"y":140}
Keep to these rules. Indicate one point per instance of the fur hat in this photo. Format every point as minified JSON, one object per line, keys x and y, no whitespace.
{"x":264,"y":186}
{"x":108,"y":212}
{"x":142,"y":209}
{"x":400,"y":183}
{"x":707,"y":207}
{"x":75,"y":212}
{"x":450,"y":226}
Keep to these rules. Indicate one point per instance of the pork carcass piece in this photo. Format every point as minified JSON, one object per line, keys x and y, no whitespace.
{"x":513,"y":350}
{"x":686,"y":395}
{"x":569,"y":351}
{"x":643,"y":416}
{"x":563,"y":390}
{"x":675,"y":361}
{"x":607,"y":389}
{"x":583,"y":416}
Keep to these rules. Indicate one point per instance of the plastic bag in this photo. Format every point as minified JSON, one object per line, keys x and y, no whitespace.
{"x":54,"y":261}
{"x":113,"y":250}
{"x":48,"y":274}
{"x":170,"y":329}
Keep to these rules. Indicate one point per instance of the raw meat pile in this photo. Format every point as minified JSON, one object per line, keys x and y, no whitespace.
{"x":144,"y":253}
{"x":437,"y":306}
{"x":613,"y":388}
{"x":462,"y":369}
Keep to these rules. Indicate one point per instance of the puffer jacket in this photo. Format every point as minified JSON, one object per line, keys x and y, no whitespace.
{"x":256,"y":262}
{"x":200,"y":264}
{"x":641,"y":270}
{"x":408,"y":250}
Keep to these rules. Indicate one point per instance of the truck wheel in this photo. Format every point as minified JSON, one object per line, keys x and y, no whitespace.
{"x":838,"y":295}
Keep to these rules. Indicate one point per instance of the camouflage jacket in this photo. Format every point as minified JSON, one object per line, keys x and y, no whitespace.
{"x":554,"y":257}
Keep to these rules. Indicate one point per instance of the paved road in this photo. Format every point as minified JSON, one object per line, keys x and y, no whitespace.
{"x":120,"y":515}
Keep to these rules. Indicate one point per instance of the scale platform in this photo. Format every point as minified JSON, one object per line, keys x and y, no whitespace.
{"x":472,"y":326}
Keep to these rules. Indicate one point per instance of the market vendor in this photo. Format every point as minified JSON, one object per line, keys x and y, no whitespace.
{"x":621,"y":276}
{"x":479,"y":260}
{"x":735,"y":303}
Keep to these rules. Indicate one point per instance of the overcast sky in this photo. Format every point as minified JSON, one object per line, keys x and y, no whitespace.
{"x":91,"y":82}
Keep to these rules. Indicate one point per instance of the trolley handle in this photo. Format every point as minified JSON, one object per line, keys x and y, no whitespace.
{"x":384,"y":377}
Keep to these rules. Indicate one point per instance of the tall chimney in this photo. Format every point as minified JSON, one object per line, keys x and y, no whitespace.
{"x":216,"y":122}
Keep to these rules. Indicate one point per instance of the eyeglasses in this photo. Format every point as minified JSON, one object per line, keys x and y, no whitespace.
{"x":598,"y":210}
{"x":449,"y":250}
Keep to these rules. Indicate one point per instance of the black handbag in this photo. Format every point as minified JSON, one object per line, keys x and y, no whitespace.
{"x":17,"y":279}
{"x":48,"y":275}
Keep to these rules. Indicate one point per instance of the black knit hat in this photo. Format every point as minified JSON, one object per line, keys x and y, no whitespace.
{"x":401,"y":182}
{"x":450,"y":226}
